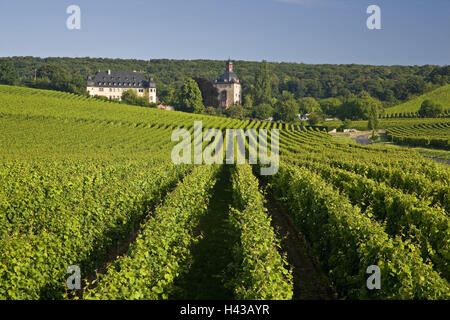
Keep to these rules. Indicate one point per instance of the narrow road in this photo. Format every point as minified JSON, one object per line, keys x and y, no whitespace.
{"x":363,"y":139}
{"x":440,"y":160}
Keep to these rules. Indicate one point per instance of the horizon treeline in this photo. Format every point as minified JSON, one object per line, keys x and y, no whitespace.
{"x":389,"y":84}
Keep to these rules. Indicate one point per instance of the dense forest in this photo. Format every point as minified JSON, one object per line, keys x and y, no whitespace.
{"x":389,"y":85}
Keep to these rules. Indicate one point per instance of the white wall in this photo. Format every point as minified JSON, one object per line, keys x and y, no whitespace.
{"x":116,"y":93}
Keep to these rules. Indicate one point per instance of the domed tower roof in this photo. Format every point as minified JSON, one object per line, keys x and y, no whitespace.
{"x":229,"y":75}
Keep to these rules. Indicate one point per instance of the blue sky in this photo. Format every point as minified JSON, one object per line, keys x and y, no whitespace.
{"x":309,"y":31}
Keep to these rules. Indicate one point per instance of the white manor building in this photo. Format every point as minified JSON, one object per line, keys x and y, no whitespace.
{"x":113,"y":84}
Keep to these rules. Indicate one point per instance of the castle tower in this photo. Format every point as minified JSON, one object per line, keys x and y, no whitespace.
{"x":229,"y":87}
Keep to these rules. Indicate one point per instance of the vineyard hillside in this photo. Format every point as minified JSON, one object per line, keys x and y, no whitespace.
{"x":90,"y":186}
{"x":440,"y":95}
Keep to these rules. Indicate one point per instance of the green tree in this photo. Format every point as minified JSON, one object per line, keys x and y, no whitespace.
{"x":286,"y":96}
{"x":103,"y":98}
{"x":167,"y":95}
{"x":286,"y":111}
{"x":263,"y":111}
{"x":357,"y":108}
{"x":308,"y":105}
{"x":263,"y":89}
{"x":330,"y":106}
{"x":364,"y":94}
{"x":8,"y":74}
{"x":236,"y":112}
{"x":210,"y":111}
{"x":55,"y":77}
{"x":190,"y":97}
{"x":373,"y":119}
{"x":315,"y":118}
{"x":131,"y":97}
{"x":430,"y":109}
{"x":347,"y":124}
{"x":248,"y":102}
{"x":345,"y":94}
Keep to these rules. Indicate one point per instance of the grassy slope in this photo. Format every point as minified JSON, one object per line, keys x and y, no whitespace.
{"x":440,"y":95}
{"x":47,"y":103}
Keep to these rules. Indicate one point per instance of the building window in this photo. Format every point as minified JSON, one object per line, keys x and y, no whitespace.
{"x":223,"y":99}
{"x":100,"y":89}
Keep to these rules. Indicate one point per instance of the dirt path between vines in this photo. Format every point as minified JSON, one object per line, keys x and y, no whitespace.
{"x":310,"y":282}
{"x":440,"y":160}
{"x":214,"y":252}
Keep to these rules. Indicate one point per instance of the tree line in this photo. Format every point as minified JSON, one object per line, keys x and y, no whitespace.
{"x":277,"y":90}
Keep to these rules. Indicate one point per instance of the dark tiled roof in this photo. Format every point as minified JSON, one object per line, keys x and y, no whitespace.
{"x":228,"y":76}
{"x":121,"y":80}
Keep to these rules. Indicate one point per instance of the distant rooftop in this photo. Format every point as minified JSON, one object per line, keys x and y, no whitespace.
{"x":229,"y":76}
{"x":121,"y":79}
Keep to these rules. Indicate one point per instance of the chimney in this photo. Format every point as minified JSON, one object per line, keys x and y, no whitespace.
{"x":109,"y":72}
